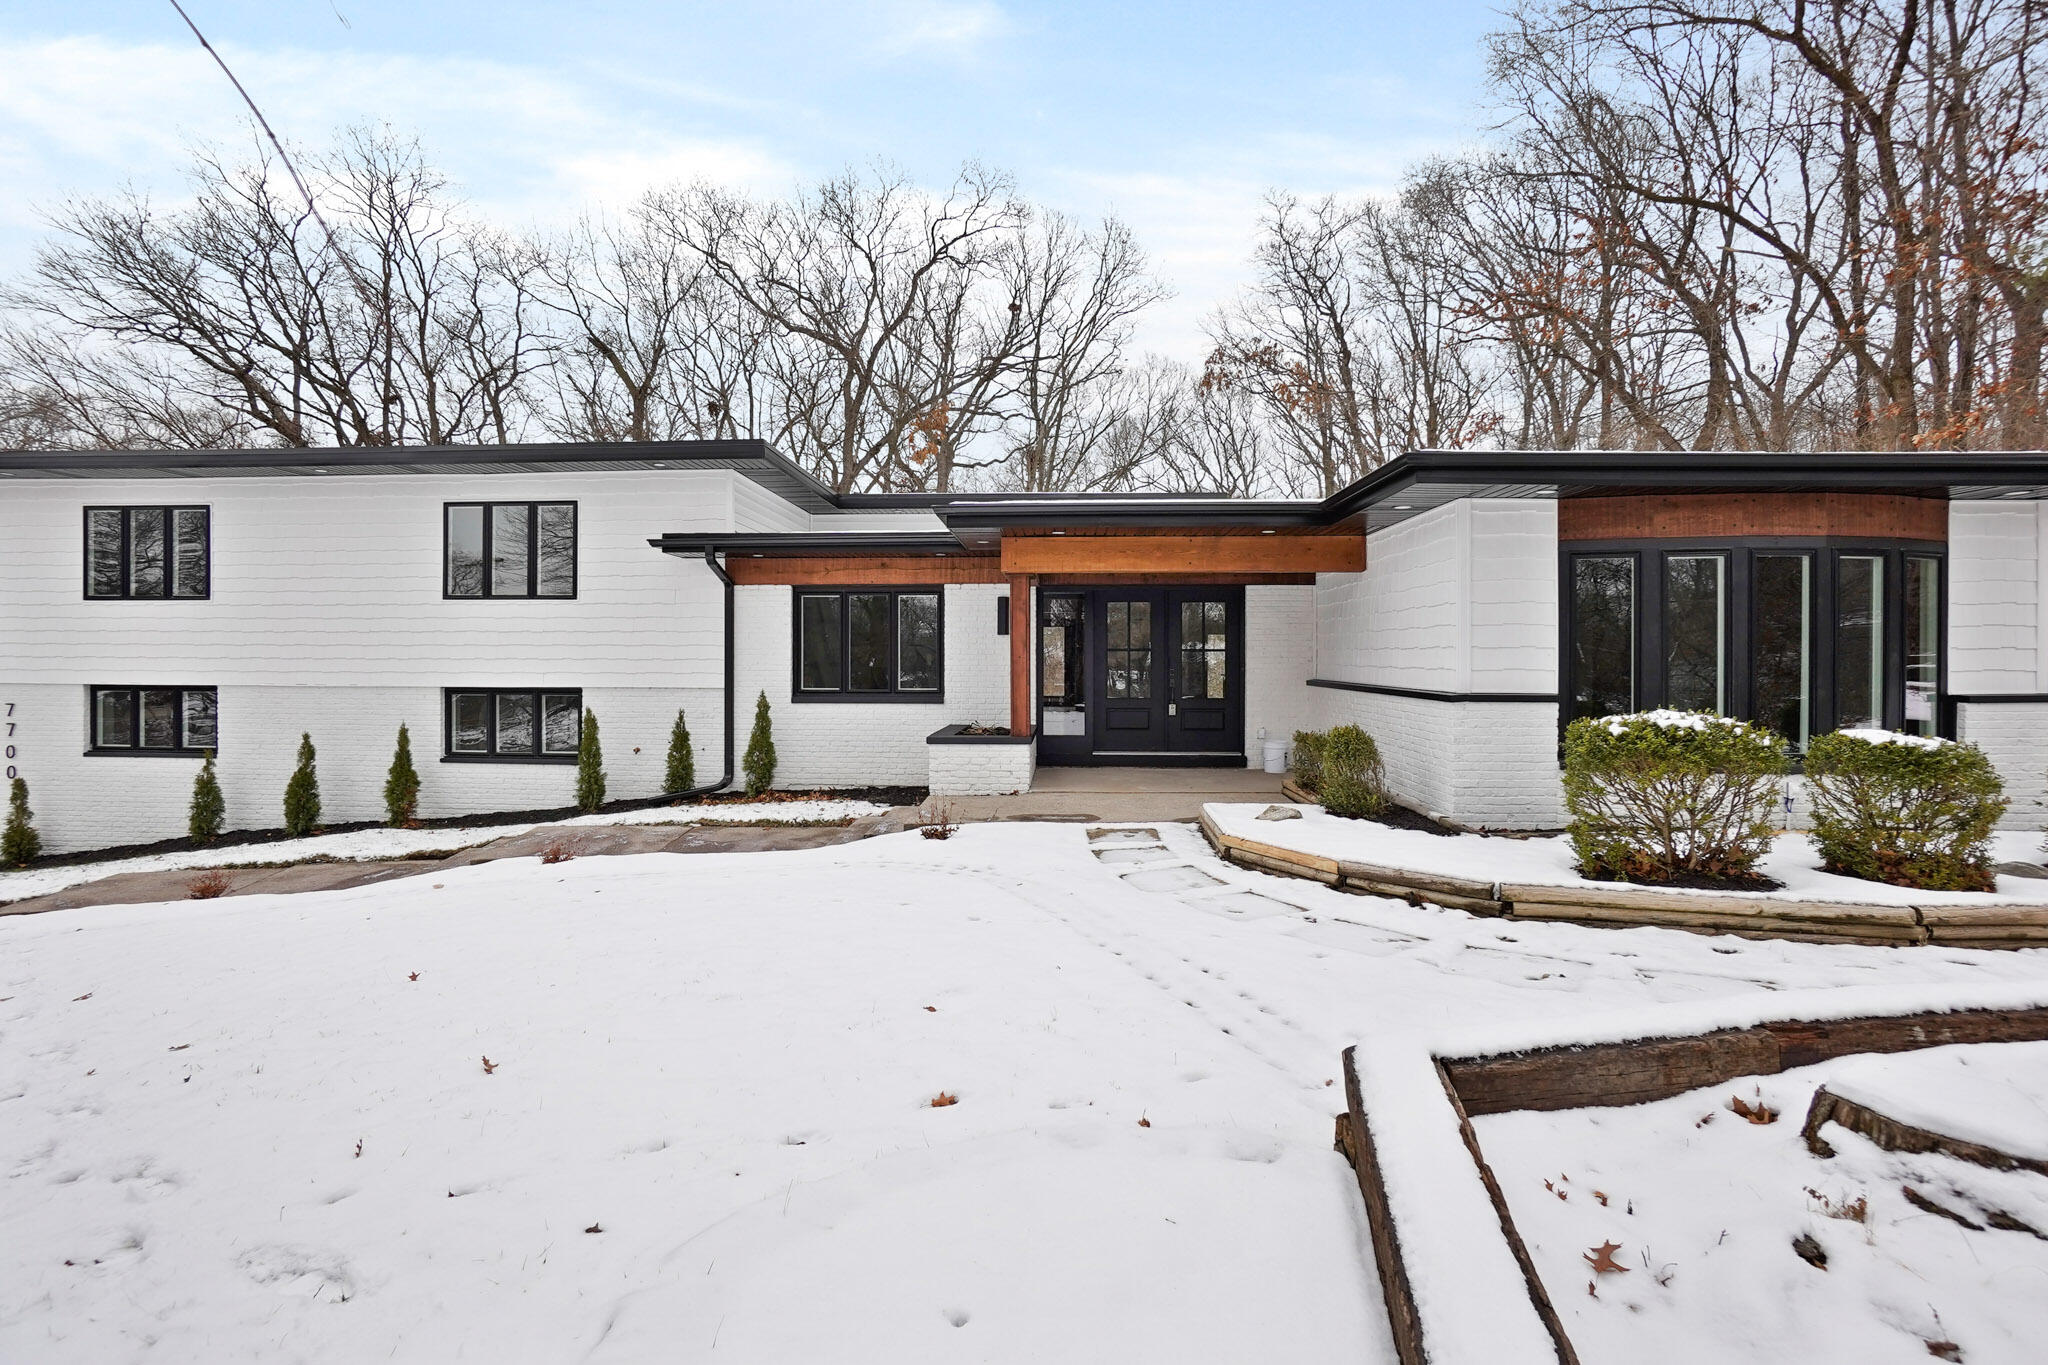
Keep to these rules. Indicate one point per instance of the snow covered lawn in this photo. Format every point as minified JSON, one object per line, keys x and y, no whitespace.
{"x":262,"y":1128}
{"x":1550,"y":861}
{"x":1703,"y":1208}
{"x":366,"y":845}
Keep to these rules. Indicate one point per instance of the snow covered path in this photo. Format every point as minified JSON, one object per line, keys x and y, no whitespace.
{"x":726,"y":1063}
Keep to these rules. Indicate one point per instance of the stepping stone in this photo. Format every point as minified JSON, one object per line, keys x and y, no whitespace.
{"x":1173,"y":879}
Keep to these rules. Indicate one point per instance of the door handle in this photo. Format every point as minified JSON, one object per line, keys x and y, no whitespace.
{"x":1172,"y":708}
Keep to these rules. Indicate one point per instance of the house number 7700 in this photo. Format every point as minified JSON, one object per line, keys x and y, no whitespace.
{"x":11,"y":772}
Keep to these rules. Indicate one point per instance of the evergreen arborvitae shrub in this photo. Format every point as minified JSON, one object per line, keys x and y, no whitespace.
{"x":589,"y":766}
{"x":402,"y":784}
{"x":1307,"y":765}
{"x":760,"y":760}
{"x":19,"y":841}
{"x":1911,"y":810}
{"x":1351,"y":780}
{"x":682,"y":762}
{"x":1661,"y":795}
{"x":209,"y":808}
{"x":302,"y":793}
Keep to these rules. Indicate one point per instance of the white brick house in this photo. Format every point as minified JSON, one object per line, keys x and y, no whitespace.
{"x":1459,"y":606}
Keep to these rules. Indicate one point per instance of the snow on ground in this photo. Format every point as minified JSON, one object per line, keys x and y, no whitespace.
{"x":1705,"y":1207}
{"x":366,"y":845}
{"x":1550,"y":861}
{"x":1993,"y":1094}
{"x":726,"y":1062}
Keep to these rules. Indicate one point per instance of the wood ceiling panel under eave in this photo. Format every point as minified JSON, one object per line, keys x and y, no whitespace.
{"x":1187,"y":555}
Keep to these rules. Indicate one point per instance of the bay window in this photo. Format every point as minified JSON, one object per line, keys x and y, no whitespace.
{"x":1802,"y":636}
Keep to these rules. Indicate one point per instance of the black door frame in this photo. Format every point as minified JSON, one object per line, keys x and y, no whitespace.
{"x":1080,"y":751}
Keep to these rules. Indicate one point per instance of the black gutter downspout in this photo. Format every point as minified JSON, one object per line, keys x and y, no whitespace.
{"x":725,"y":778}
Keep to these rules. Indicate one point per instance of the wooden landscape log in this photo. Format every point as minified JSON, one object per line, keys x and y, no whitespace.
{"x":1538,"y":1295}
{"x":1355,"y":1129}
{"x":1749,"y":926}
{"x":1707,"y":903}
{"x":1463,"y":887}
{"x":1988,"y":916}
{"x":1606,"y":1074}
{"x":1296,"y":793}
{"x":1804,"y":1042}
{"x":1469,"y":904}
{"x":1894,"y":1136}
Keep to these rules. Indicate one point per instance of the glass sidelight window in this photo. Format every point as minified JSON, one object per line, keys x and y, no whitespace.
{"x":869,"y":644}
{"x":1803,"y":637}
{"x":1204,"y":652}
{"x":1127,"y":630}
{"x":1062,"y":661}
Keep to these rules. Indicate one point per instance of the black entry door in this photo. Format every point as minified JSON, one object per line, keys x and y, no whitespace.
{"x":1168,"y":672}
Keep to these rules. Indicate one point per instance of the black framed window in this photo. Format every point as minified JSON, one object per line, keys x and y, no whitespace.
{"x":868,"y":644}
{"x":1805,"y":636}
{"x":1204,"y":651}
{"x":1062,"y":665}
{"x":1127,"y":637}
{"x":508,"y":549}
{"x":512,"y":724}
{"x":153,"y":720}
{"x":148,"y":552}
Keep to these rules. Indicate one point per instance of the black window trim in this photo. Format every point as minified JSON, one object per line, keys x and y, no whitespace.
{"x":1827,"y":552}
{"x":128,"y":593}
{"x":532,"y":593}
{"x":491,"y":754}
{"x":895,"y":695}
{"x":93,"y":747}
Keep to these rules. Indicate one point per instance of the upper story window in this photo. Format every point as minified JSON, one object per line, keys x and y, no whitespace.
{"x":869,"y":644}
{"x":148,"y":552}
{"x":513,"y":724}
{"x":509,"y":549}
{"x":154,"y":720}
{"x":1803,"y":637}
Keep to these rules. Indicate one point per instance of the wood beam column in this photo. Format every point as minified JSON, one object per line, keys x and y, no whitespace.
{"x":1020,"y":654}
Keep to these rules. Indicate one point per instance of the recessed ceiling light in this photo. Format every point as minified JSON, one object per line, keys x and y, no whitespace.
{"x":1055,"y":533}
{"x":1403,"y":507}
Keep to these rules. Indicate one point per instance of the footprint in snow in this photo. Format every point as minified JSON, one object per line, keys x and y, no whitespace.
{"x":957,"y":1316}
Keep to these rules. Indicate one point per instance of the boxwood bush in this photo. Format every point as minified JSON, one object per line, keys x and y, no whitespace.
{"x":1351,"y":780}
{"x":1662,"y":795}
{"x":1307,"y":764}
{"x":1906,"y":809}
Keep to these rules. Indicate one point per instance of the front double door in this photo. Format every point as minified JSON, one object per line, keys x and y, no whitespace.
{"x":1167,"y":672}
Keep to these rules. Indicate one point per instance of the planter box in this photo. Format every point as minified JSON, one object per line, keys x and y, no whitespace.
{"x":979,"y":765}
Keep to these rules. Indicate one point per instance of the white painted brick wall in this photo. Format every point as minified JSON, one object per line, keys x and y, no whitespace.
{"x":1994,"y":597}
{"x":1279,"y":656}
{"x":1513,"y":577}
{"x":2014,"y":736}
{"x":859,"y":744}
{"x":96,"y":801}
{"x":980,"y":769}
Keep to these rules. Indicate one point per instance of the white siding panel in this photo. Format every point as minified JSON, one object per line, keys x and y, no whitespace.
{"x":1994,"y":598}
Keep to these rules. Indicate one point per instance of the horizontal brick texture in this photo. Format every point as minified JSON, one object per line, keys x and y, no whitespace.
{"x":2014,"y":736}
{"x":96,"y":801}
{"x":980,"y":769}
{"x":1279,"y":653}
{"x":1461,"y":599}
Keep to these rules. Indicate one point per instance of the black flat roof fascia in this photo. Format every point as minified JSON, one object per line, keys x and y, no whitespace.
{"x":1276,"y":514}
{"x":797,"y":542}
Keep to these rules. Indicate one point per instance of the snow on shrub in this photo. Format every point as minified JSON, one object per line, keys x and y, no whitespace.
{"x":1661,"y":795}
{"x":1906,"y":809}
{"x":1352,"y":780}
{"x":1307,"y":765}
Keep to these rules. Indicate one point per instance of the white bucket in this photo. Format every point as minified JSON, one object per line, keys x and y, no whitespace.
{"x":1276,"y":755}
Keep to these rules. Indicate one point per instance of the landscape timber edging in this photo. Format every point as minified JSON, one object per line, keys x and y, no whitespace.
{"x":1608,"y":1074}
{"x":1745,"y":914}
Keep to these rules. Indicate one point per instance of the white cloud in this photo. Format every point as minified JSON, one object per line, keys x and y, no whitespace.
{"x":957,"y":29}
{"x":84,"y":115}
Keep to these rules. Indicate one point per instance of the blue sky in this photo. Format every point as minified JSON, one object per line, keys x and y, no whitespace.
{"x":1175,"y":117}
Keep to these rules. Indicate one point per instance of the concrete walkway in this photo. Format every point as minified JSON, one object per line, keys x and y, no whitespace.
{"x":1121,"y":795}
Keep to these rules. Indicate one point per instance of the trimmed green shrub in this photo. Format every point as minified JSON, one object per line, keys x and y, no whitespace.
{"x":1906,"y":809}
{"x":1352,"y":781}
{"x":682,"y":761}
{"x":19,"y":841}
{"x":302,"y":793}
{"x":1307,"y":765}
{"x":209,"y":808}
{"x":1661,"y":795}
{"x":589,"y":766}
{"x":402,"y":783}
{"x":760,"y":760}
